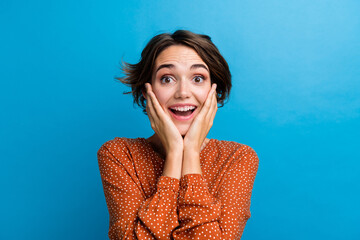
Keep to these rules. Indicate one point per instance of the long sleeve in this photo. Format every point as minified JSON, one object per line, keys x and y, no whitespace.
{"x":224,"y":215}
{"x":132,"y":216}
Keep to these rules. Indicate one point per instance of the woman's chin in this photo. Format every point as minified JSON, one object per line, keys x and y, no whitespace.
{"x":183,"y":131}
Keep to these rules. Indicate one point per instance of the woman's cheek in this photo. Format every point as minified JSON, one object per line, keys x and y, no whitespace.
{"x":204,"y":96}
{"x":157,"y":93}
{"x":161,"y":99}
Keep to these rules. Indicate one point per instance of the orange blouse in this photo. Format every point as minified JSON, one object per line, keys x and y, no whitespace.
{"x":143,"y":204}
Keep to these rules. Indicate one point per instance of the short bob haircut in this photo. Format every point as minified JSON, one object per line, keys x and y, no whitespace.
{"x":136,"y":75}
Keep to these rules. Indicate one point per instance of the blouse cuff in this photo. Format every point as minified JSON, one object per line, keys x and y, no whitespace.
{"x":170,"y":183}
{"x":192,"y":179}
{"x":194,"y":188}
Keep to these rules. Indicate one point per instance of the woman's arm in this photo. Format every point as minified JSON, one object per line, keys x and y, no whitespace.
{"x":224,"y":215}
{"x":169,"y":135}
{"x":132,"y":216}
{"x":197,"y":133}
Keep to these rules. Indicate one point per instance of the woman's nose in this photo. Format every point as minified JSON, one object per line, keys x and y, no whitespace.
{"x":183,"y":89}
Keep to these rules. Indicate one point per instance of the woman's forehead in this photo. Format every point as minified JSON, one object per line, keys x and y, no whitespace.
{"x":178,"y":54}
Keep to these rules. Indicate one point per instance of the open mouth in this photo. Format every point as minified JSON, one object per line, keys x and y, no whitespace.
{"x":183,"y":111}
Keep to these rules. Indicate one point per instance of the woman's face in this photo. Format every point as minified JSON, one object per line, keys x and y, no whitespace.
{"x":181,"y":82}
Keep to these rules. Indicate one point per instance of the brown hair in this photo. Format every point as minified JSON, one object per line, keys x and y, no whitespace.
{"x":136,"y":75}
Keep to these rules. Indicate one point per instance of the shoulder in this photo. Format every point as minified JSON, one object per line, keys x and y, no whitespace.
{"x":121,"y":143}
{"x":114,"y":145}
{"x":238,"y":153}
{"x":119,"y":148}
{"x":232,"y":146}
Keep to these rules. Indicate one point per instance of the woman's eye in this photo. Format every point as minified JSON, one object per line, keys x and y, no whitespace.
{"x":166,"y":79}
{"x":198,"y":79}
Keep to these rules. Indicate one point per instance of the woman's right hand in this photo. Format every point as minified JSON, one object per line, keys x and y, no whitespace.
{"x":162,"y":124}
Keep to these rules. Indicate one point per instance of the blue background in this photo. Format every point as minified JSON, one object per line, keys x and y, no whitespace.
{"x":295,"y":100}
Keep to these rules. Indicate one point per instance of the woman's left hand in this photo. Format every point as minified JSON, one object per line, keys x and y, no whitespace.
{"x":201,"y":125}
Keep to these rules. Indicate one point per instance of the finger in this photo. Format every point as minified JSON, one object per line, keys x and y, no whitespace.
{"x":209,"y":100}
{"x":151,"y":98}
{"x":155,"y":103}
{"x":207,"y":103}
{"x":214,"y":109}
{"x":150,"y":109}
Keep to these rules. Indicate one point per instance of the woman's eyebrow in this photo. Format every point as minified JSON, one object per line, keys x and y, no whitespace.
{"x":164,"y":66}
{"x":195,"y":66}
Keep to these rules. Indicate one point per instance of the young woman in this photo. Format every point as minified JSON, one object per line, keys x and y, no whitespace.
{"x":178,"y":184}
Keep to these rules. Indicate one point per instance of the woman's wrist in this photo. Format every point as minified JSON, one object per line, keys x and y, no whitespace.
{"x":191,"y":152}
{"x":192,"y":148}
{"x":191,"y":162}
{"x":173,"y":164}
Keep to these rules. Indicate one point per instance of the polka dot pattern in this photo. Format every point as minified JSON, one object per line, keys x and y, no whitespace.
{"x":143,"y":204}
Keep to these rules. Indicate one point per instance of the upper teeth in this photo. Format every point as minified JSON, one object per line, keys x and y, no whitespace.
{"x":183,"y":109}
